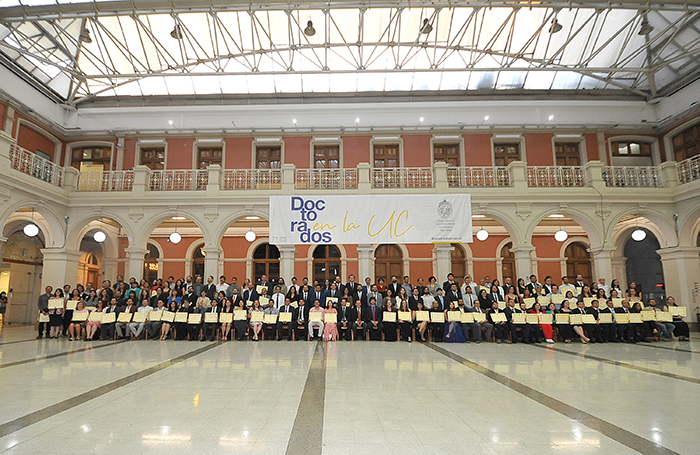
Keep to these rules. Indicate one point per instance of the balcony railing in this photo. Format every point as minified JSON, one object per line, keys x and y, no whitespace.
{"x":632,"y":176}
{"x":688,"y":169}
{"x":326,"y":179}
{"x":31,"y":164}
{"x":106,"y":181}
{"x":252,"y":179}
{"x":402,"y":178}
{"x":178,"y":180}
{"x":555,"y":176}
{"x":474,"y":177}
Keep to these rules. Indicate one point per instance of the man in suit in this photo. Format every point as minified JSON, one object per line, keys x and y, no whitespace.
{"x":579,"y":281}
{"x":360,"y":295}
{"x":547,"y":286}
{"x":581,"y":309}
{"x":211,"y":326}
{"x":121,"y":326}
{"x":281,"y":326}
{"x":447,"y":285}
{"x":302,"y":318}
{"x":394,"y":286}
{"x":271,"y":331}
{"x":374,"y":293}
{"x":452,"y":295}
{"x":414,"y":299}
{"x":468,"y":283}
{"x":194,"y":330}
{"x":332,"y":291}
{"x":508,"y":283}
{"x":210,"y":288}
{"x":469,"y":297}
{"x":407,"y":285}
{"x":509,"y":311}
{"x":305,"y":294}
{"x":483,"y":325}
{"x":609,"y":331}
{"x":466,"y":326}
{"x":250,"y":295}
{"x":266,"y":284}
{"x":107,"y":330}
{"x":345,"y":318}
{"x":441,"y":300}
{"x":595,"y":330}
{"x":198,"y":285}
{"x":359,"y":321}
{"x":626,"y":332}
{"x":374,"y":323}
{"x":317,"y":294}
{"x":351,"y":285}
{"x":532,"y":284}
{"x":235,"y":298}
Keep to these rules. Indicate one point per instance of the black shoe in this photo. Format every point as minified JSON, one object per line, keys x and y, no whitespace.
{"x":40,"y":337}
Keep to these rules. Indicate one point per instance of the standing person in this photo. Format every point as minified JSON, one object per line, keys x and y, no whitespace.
{"x":406,"y":326}
{"x":43,"y":305}
{"x":56,"y":316}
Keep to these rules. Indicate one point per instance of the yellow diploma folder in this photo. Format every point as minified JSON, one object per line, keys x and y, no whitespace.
{"x":330,"y":301}
{"x":80,"y":317}
{"x":648,"y":315}
{"x":181,"y":316}
{"x":437,"y":316}
{"x":622,"y":318}
{"x":389,"y":316}
{"x":664,"y":316}
{"x":498,"y":317}
{"x":518,"y":318}
{"x":124,"y":317}
{"x":588,"y":319}
{"x":578,"y":291}
{"x":557,"y":298}
{"x":545,"y":318}
{"x":422,"y":316}
{"x":479,"y":317}
{"x":544,"y":300}
{"x":454,"y":316}
{"x":270,"y":319}
{"x":55,"y":303}
{"x":635,"y":318}
{"x":588,"y":301}
{"x":45,"y":317}
{"x":575,"y":319}
{"x":605,"y":318}
{"x":529,"y":301}
{"x":211,"y":318}
{"x":72,"y":304}
{"x":154,"y":315}
{"x":239,"y":315}
{"x":678,"y":311}
{"x":617,"y":303}
{"x":108,"y":318}
{"x":168,"y":316}
{"x":260,"y":289}
{"x":264,"y":301}
{"x":286,"y":317}
{"x":226,"y":318}
{"x":139,"y":317}
{"x":256,"y":316}
{"x":467,"y":317}
{"x":405,"y":316}
{"x":533,"y":318}
{"x":561,"y":318}
{"x":194,"y":318}
{"x":315,"y":316}
{"x":332,"y":318}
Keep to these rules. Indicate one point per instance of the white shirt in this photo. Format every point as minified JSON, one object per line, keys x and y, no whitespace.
{"x":567,"y":287}
{"x":471,"y":285}
{"x":278,"y":300}
{"x":222,"y":287}
{"x":428,"y":300}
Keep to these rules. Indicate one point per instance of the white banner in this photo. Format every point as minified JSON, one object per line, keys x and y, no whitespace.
{"x":354,"y":219}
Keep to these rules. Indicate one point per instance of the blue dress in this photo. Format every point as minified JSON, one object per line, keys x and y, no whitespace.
{"x":453,"y":333}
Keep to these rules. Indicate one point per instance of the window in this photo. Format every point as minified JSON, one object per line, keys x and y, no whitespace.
{"x":447,"y":153}
{"x":150,"y":263}
{"x":266,"y":260}
{"x":388,"y":261}
{"x":198,"y":261}
{"x":567,"y":154}
{"x":91,"y":158}
{"x":508,"y":262}
{"x":458,"y":262}
{"x":578,"y":262}
{"x":326,"y":156}
{"x":386,"y":155}
{"x":268,"y":157}
{"x":153,"y":157}
{"x":326,"y":263}
{"x":687,"y":143}
{"x":631,"y":149}
{"x":206,"y":156}
{"x":504,"y":154}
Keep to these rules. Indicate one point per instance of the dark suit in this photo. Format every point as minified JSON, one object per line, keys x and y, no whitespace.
{"x":361,"y":315}
{"x":526,"y":328}
{"x":268,"y":285}
{"x":194,"y":329}
{"x":213,"y":326}
{"x":447,"y":286}
{"x":374,"y":322}
{"x":210,"y":289}
{"x":107,"y":330}
{"x":317,"y":295}
{"x":394,"y":288}
{"x":301,"y":315}
{"x":442,"y":301}
{"x":609,"y":331}
{"x":288,"y":325}
{"x":413,"y":302}
{"x":251,"y":294}
{"x":500,"y":330}
{"x":452,"y":296}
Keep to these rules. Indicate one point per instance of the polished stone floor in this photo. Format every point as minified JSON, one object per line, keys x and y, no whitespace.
{"x":61,"y":397}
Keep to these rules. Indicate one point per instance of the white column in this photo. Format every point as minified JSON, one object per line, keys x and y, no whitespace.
{"x":365,"y":265}
{"x":682,"y":275}
{"x":3,"y":242}
{"x":287,"y":255}
{"x":134,"y":263}
{"x":602,"y":263}
{"x":211,"y":262}
{"x":443,"y":260}
{"x":60,"y":267}
{"x":109,"y":271}
{"x":523,"y":261}
{"x":619,"y":271}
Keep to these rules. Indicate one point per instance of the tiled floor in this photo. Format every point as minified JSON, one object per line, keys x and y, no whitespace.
{"x":63,"y":397}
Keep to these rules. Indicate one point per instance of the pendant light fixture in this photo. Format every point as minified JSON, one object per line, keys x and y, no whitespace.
{"x":31,"y":229}
{"x":250,"y":235}
{"x":175,"y":236}
{"x":638,"y":234}
{"x":482,"y":234}
{"x":100,"y":235}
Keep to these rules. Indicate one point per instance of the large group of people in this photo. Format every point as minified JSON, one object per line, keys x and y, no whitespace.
{"x":529,"y":312}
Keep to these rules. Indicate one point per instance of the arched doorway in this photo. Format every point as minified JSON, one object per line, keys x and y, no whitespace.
{"x":578,"y":262}
{"x":326,"y":262}
{"x":644,"y":266}
{"x":198,"y":261}
{"x":266,"y":260}
{"x":150,"y":263}
{"x":458,"y":266}
{"x":90,"y":269}
{"x":388,"y":261}
{"x":508,"y":262}
{"x":21,"y":269}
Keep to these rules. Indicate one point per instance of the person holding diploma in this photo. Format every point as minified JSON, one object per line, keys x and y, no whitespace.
{"x":152,"y":326}
{"x":227,"y":307}
{"x":75,"y":328}
{"x":315,"y":324}
{"x":212,"y":326}
{"x":374,"y":321}
{"x":75,"y":294}
{"x":420,"y":326}
{"x":93,"y":326}
{"x":344,"y":320}
{"x":510,"y":310}
{"x":565,"y":330}
{"x":437,"y":328}
{"x":500,"y":327}
{"x":406,"y":325}
{"x":359,"y":321}
{"x":453,"y":329}
{"x":301,"y":317}
{"x":136,"y":328}
{"x":681,"y":329}
{"x":256,"y":325}
{"x":122,"y":327}
{"x":546,"y":328}
{"x":56,"y":316}
{"x":107,"y":329}
{"x":390,"y":327}
{"x":270,"y":330}
{"x":578,"y":328}
{"x":330,"y":331}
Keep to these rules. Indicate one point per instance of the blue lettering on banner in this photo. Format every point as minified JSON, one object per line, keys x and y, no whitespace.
{"x":308,"y":210}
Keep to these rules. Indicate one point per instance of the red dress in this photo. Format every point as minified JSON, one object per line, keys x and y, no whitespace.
{"x":546,"y":328}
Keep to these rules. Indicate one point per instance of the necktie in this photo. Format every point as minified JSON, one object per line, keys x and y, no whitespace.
{"x":374,"y":315}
